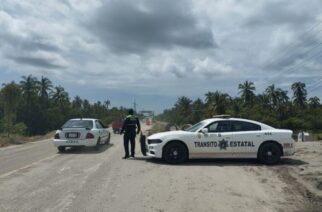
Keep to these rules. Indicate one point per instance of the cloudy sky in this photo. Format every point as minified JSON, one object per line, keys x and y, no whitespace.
{"x":154,"y":51}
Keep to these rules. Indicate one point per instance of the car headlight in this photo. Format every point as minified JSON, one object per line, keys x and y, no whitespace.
{"x":154,"y":141}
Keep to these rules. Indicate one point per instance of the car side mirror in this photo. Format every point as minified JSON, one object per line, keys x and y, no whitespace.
{"x":204,"y":130}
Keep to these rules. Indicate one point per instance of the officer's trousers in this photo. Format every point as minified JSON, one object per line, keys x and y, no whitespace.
{"x":129,"y":137}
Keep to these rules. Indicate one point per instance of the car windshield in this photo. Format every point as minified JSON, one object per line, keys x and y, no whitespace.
{"x":196,"y":127}
{"x":78,"y":124}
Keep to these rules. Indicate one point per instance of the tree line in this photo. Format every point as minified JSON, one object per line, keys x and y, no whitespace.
{"x":35,"y":106}
{"x":273,"y":107}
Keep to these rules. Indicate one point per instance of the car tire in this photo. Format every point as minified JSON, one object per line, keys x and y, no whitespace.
{"x":61,"y":148}
{"x":98,"y":144}
{"x":269,"y":153}
{"x":175,"y":153}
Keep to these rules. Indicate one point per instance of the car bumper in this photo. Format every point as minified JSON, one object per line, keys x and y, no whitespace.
{"x":154,"y":150}
{"x":289,"y":149}
{"x":62,"y":142}
{"x":289,"y":152}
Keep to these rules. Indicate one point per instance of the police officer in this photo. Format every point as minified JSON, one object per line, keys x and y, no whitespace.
{"x":129,"y":128}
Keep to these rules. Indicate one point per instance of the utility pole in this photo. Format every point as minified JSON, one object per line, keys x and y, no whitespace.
{"x":134,"y":105}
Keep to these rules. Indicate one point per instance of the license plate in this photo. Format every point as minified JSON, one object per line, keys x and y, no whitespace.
{"x":71,"y":142}
{"x":72,"y":135}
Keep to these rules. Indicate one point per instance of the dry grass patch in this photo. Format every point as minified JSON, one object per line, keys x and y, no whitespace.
{"x":19,"y":139}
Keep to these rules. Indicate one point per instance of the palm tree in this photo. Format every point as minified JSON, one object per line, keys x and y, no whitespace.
{"x":236,"y":107}
{"x":60,"y":96}
{"x":276,"y":96}
{"x":221,"y":102}
{"x":29,"y":86}
{"x":216,"y":103}
{"x":264,"y":100}
{"x":272,"y":95}
{"x":197,"y":110}
{"x":107,"y":103}
{"x":299,"y":94}
{"x":45,"y":87}
{"x":183,"y":108}
{"x":314,"y":102}
{"x":77,"y":102}
{"x":247,"y":90}
{"x":10,"y":95}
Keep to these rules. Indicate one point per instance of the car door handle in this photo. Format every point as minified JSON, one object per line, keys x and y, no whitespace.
{"x":227,"y":137}
{"x":258,"y":135}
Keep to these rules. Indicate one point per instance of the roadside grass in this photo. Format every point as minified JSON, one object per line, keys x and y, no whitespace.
{"x":157,"y":127}
{"x":20,"y":139}
{"x":317,"y":136}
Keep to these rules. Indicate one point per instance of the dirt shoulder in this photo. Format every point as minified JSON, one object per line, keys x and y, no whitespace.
{"x":19,"y":139}
{"x":303,"y":172}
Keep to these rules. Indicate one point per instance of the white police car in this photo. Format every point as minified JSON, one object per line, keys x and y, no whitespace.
{"x":222,"y":137}
{"x":81,"y":132}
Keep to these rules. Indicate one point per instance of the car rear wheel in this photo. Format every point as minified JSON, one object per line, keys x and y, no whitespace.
{"x":98,"y":144}
{"x":108,"y":139}
{"x":269,"y":154}
{"x":61,"y":148}
{"x":175,"y":153}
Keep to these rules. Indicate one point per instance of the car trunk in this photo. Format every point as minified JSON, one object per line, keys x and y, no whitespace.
{"x":74,"y":133}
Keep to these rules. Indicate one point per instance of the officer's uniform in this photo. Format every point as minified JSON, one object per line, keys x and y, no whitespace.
{"x":129,"y":129}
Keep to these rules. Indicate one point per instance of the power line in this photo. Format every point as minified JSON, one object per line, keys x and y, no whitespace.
{"x":293,"y":67}
{"x":315,"y":86}
{"x":303,"y":62}
{"x":293,"y":44}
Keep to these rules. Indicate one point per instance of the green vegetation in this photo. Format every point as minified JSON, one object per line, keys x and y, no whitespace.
{"x":36,"y":107}
{"x":273,"y":107}
{"x":157,"y":126}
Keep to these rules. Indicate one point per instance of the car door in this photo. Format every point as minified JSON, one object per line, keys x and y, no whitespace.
{"x":246,"y":138}
{"x":105,"y":131}
{"x":100,"y":131}
{"x":216,"y":141}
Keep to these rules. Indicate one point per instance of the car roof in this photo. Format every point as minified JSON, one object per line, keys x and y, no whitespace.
{"x":85,"y":119}
{"x":264,"y":126}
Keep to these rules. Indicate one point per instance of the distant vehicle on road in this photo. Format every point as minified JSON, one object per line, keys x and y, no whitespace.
{"x":82,"y":132}
{"x":117,"y":126}
{"x":223,"y":137}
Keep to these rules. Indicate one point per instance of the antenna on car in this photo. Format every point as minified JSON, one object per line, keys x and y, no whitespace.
{"x":222,"y":116}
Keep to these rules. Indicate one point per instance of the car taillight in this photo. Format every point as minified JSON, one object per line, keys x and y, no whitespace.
{"x":89,"y":136}
{"x":57,"y":136}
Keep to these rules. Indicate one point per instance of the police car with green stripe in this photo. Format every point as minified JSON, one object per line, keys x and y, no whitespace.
{"x":223,"y":137}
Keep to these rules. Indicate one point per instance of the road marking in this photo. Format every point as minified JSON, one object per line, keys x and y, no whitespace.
{"x":27,"y":166}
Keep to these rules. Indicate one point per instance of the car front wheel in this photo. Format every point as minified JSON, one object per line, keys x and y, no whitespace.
{"x":269,"y":154}
{"x":175,"y":153}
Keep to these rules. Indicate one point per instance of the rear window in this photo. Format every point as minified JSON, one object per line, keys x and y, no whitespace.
{"x":78,"y":124}
{"x":245,"y":126}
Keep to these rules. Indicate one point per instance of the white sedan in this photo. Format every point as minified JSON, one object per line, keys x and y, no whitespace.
{"x":222,"y":137}
{"x":82,"y":132}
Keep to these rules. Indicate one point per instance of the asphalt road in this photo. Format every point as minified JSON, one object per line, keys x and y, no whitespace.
{"x":35,"y":177}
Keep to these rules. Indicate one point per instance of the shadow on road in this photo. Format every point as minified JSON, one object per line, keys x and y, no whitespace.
{"x":225,"y":162}
{"x":86,"y":150}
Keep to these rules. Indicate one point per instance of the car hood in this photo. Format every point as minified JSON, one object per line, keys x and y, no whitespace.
{"x":168,"y":134}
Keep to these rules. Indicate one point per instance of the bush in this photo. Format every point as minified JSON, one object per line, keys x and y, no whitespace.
{"x":295,"y":123}
{"x":19,"y":129}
